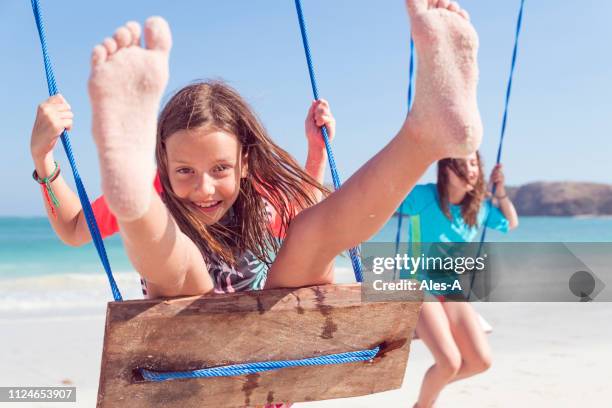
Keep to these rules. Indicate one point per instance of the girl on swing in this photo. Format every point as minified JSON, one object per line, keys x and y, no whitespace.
{"x":218,"y":167}
{"x":453,"y":210}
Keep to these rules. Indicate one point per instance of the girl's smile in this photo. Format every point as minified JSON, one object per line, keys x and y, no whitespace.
{"x":208,"y":206}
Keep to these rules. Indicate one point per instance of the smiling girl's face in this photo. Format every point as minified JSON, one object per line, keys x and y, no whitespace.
{"x":204,"y":168}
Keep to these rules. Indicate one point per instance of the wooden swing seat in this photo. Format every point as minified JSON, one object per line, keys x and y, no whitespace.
{"x":198,"y":332}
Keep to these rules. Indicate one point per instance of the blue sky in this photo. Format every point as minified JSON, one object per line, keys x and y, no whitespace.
{"x":558,"y":127}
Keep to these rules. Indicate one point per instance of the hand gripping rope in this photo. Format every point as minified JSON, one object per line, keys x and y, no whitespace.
{"x":353,"y":252}
{"x":89,"y":216}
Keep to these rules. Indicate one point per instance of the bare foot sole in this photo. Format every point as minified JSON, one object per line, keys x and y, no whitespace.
{"x":445,"y":115}
{"x":125,"y":88}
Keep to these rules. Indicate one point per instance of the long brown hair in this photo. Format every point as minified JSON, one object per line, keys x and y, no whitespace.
{"x":470,"y":205}
{"x":273,"y":174}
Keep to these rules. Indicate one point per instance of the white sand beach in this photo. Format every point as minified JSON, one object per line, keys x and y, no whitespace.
{"x":545,"y":355}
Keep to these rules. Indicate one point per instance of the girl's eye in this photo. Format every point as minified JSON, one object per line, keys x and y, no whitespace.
{"x":221,"y":168}
{"x":184,"y":170}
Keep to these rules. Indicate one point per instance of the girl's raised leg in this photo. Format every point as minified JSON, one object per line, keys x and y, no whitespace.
{"x":444,"y":122}
{"x":125,"y":88}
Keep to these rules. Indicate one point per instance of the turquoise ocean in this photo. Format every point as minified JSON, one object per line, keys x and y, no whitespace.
{"x":39,"y":275}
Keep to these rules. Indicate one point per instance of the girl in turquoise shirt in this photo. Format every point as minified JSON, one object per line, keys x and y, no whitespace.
{"x":452,"y":211}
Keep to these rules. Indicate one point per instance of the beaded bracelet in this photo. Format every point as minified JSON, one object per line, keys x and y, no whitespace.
{"x":45,"y":184}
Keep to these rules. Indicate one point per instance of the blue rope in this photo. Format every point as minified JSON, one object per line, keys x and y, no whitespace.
{"x":519,"y":24}
{"x":354,"y":252}
{"x":400,"y":216}
{"x":91,"y":220}
{"x":251,"y":368}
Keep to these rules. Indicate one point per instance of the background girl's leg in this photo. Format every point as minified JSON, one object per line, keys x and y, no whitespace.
{"x":469,"y":337}
{"x":434,"y":329}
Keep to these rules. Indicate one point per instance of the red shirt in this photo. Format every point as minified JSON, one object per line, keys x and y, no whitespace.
{"x":107,"y":222}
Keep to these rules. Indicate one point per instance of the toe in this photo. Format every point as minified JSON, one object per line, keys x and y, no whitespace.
{"x":123,"y":37}
{"x":464,"y":14}
{"x":135,"y":30}
{"x":110,"y":45}
{"x":454,"y":6}
{"x":443,"y":4}
{"x":157,"y":34}
{"x":418,"y":6}
{"x":98,"y":54}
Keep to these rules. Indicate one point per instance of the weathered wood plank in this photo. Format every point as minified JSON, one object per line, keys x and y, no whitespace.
{"x":280,"y":324}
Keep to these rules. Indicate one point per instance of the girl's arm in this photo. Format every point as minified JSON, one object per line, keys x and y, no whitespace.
{"x":501,"y":200}
{"x":319,"y":114}
{"x":67,"y":219}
